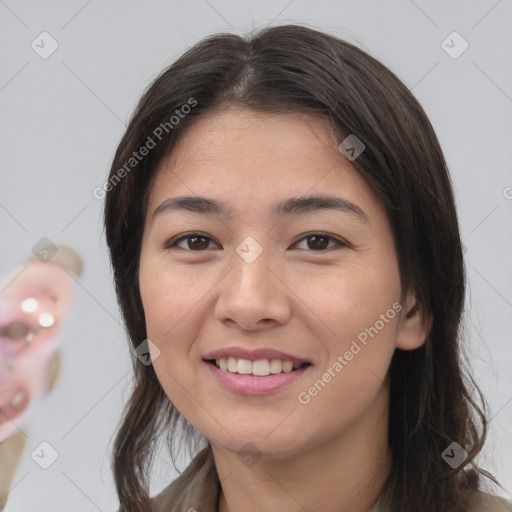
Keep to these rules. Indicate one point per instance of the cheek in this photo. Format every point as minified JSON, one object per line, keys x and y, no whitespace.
{"x":352,"y":299}
{"x":169,"y":296}
{"x":358,"y":309}
{"x":174,"y":305}
{"x":357,"y":356}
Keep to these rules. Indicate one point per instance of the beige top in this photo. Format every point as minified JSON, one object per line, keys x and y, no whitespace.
{"x":198,"y":489}
{"x":12,"y":448}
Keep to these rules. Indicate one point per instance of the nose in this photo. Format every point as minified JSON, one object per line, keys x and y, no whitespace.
{"x":253,"y":295}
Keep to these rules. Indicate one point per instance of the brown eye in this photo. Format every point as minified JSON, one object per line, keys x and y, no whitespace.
{"x":197,"y":242}
{"x":319,"y":242}
{"x":191,"y":242}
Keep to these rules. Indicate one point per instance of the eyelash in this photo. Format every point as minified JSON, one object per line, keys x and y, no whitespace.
{"x":174,"y":242}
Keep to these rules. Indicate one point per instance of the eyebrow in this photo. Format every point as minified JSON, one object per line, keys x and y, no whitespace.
{"x":291,"y":206}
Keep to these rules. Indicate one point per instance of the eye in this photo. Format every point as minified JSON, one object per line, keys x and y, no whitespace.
{"x":199,"y":242}
{"x":320,"y":242}
{"x":192,"y":241}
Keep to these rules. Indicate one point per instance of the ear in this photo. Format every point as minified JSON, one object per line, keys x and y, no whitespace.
{"x":414,"y":327}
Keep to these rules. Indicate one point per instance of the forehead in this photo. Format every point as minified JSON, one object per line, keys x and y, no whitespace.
{"x":240,"y":135}
{"x":257,"y":158}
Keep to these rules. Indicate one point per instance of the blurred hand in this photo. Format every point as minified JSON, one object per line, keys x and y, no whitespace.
{"x":32,"y":309}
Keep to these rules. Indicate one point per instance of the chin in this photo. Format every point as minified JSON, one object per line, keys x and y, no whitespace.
{"x":259,"y":446}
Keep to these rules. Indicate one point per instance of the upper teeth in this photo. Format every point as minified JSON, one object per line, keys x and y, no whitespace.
{"x":261,"y":367}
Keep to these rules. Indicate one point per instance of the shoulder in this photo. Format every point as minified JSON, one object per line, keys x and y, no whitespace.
{"x":483,"y":502}
{"x":197,"y":488}
{"x":478,"y":502}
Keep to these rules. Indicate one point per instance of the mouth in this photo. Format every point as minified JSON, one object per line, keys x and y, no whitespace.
{"x":256,"y":377}
{"x":257,"y":368}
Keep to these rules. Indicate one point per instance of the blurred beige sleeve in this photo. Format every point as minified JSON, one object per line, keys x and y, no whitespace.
{"x":12,"y":448}
{"x":10,"y":453}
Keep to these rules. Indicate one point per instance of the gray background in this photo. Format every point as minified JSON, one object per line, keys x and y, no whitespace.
{"x":62,"y":118}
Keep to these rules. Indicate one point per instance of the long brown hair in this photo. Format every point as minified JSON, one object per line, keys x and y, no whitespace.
{"x":293,"y":68}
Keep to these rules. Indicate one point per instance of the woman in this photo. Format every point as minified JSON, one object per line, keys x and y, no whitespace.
{"x":287,"y":258}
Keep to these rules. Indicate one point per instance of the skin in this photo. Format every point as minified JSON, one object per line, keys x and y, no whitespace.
{"x":330,"y":454}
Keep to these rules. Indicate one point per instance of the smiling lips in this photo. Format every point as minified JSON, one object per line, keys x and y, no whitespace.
{"x":260,"y":362}
{"x":252,"y":384}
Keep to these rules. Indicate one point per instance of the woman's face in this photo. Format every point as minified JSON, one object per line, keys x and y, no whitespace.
{"x":267,"y":269}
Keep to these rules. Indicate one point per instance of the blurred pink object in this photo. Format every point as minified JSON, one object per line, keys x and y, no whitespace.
{"x":32,"y":309}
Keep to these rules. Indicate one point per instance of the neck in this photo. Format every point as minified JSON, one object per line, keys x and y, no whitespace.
{"x":343,"y":474}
